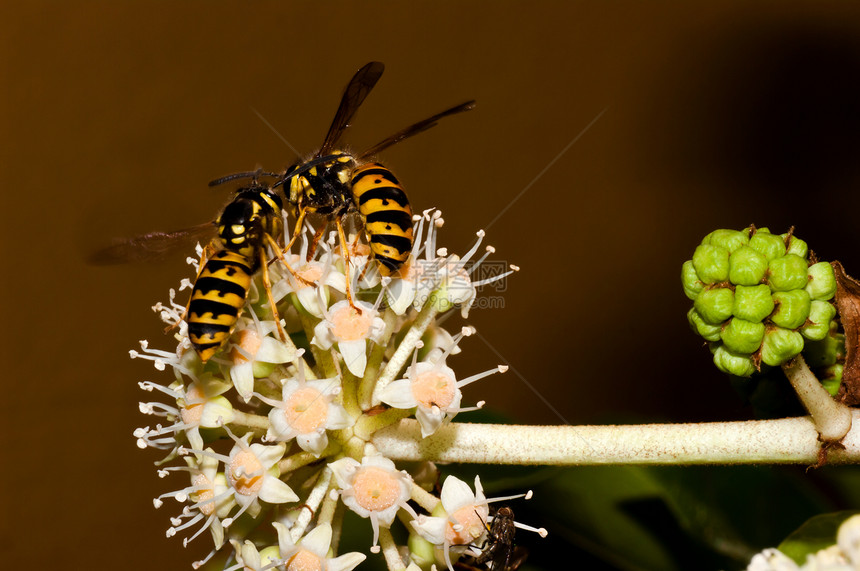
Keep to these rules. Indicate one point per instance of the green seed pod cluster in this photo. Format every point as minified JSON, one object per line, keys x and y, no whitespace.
{"x":757,"y":298}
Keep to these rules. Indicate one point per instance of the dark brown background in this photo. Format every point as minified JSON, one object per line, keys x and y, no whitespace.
{"x":114,"y":117}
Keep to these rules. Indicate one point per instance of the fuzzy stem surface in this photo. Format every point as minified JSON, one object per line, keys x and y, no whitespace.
{"x":781,"y":441}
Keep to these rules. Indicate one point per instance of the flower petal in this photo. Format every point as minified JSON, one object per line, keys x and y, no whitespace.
{"x":354,"y":355}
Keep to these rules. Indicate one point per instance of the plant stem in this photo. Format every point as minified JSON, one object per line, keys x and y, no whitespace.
{"x":404,"y":350}
{"x":782,"y":441}
{"x":832,"y":418}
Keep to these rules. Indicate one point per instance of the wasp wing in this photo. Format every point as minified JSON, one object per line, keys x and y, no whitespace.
{"x":152,"y":246}
{"x":356,"y":91}
{"x":416,"y":128}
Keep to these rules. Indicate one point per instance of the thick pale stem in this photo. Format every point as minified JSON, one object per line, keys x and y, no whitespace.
{"x":255,"y":423}
{"x":832,"y":418}
{"x":323,"y":358}
{"x":310,"y":506}
{"x":365,"y":391}
{"x":782,"y":441}
{"x":424,"y":498}
{"x":390,"y":551}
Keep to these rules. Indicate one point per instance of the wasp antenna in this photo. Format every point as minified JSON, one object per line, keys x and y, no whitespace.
{"x":249,"y":174}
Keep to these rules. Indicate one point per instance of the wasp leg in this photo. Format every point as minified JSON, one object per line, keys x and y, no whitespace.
{"x":268,"y":285}
{"x":345,"y":251}
{"x":313,"y":246}
{"x":280,"y":257}
{"x":297,"y":229}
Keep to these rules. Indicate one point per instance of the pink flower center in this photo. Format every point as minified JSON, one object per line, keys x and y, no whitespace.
{"x":206,"y":492}
{"x":304,"y":560}
{"x":472,"y":518}
{"x":311,"y":273}
{"x":306,"y":410}
{"x":433,"y":388}
{"x":375,"y":489}
{"x":349,"y":325}
{"x":246,"y":473}
{"x":250,"y":343}
{"x":192,"y":412}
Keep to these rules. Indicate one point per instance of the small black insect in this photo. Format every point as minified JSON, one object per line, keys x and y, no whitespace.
{"x":498,"y":552}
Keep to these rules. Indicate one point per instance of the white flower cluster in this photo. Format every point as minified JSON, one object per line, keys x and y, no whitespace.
{"x":275,"y":433}
{"x":843,"y":556}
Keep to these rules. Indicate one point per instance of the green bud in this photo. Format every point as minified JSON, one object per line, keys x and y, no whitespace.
{"x":421,"y":551}
{"x":820,"y":315}
{"x":780,"y":345}
{"x":706,"y":330}
{"x":741,"y":336}
{"x":787,"y":273}
{"x":690,"y":280}
{"x":796,"y":246}
{"x":715,"y":304}
{"x":768,"y":245}
{"x":747,"y":267}
{"x":731,"y":240}
{"x":792,"y":308}
{"x":733,"y":363}
{"x":711,"y":263}
{"x":263,"y":370}
{"x":826,"y":352}
{"x":831,"y":378}
{"x":752,"y":303}
{"x":831,"y":386}
{"x":822,"y":281}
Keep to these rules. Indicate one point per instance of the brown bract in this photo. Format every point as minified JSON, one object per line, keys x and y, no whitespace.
{"x":848,"y":304}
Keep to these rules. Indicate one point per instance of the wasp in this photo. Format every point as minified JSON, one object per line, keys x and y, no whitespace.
{"x":498,"y":552}
{"x":335,"y":183}
{"x":249,"y":224}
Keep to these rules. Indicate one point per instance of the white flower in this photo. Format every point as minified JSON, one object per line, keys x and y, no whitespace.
{"x":772,"y":560}
{"x":250,"y":475}
{"x":210,"y":494}
{"x":200,"y":405}
{"x":248,"y":558}
{"x":306,"y":411}
{"x":848,"y":539}
{"x":432,"y":389}
{"x":310,"y":283}
{"x":350,"y":330}
{"x":463,"y":521}
{"x":254,"y":353}
{"x":374,"y":489}
{"x":311,"y":552}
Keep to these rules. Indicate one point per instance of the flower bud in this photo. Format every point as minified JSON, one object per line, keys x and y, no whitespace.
{"x":715,"y":304}
{"x":765,"y":243}
{"x":820,"y":315}
{"x":741,"y":336}
{"x":752,"y":303}
{"x":787,"y":273}
{"x":711,"y":263}
{"x":690,"y":280}
{"x":730,"y":240}
{"x":747,"y":267}
{"x":792,"y":308}
{"x":706,"y":330}
{"x":795,"y":245}
{"x":822,"y":281}
{"x":733,"y":363}
{"x":780,"y":345}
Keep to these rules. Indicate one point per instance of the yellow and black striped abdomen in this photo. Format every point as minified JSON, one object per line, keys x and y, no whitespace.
{"x":386,"y":213}
{"x":216,"y":300}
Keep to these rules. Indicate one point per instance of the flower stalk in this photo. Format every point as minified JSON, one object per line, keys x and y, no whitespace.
{"x":781,"y":441}
{"x":832,"y":418}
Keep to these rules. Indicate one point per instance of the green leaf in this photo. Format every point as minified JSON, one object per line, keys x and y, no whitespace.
{"x":816,"y":534}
